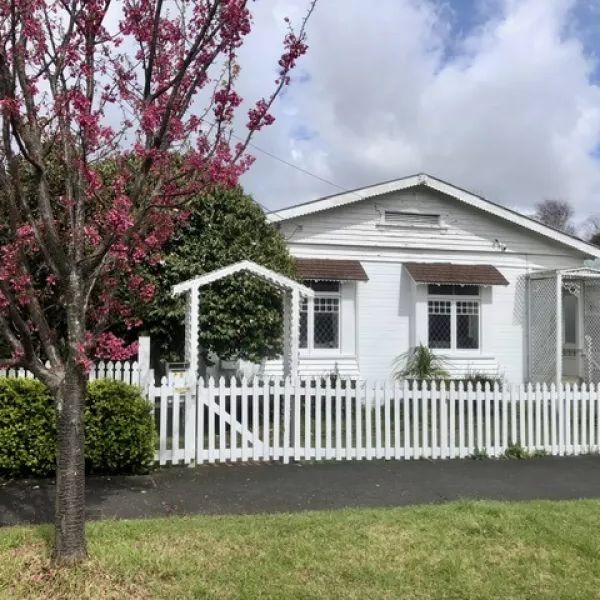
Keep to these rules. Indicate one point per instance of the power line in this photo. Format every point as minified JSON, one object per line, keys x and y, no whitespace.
{"x":293,"y":166}
{"x":289,"y":164}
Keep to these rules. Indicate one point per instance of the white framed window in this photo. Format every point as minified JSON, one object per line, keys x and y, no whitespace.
{"x":454,"y":317}
{"x":320,"y":317}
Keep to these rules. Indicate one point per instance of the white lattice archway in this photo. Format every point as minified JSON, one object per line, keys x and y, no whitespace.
{"x":292,"y":293}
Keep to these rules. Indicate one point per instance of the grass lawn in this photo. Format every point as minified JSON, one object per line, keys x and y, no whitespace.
{"x":460,"y":550}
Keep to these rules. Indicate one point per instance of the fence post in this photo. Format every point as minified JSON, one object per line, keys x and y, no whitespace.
{"x":144,"y":362}
{"x":191,"y":433}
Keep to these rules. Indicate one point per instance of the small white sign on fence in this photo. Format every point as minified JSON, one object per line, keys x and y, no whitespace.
{"x":317,"y":419}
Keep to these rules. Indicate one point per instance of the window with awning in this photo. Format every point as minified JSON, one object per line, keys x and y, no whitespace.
{"x":321,"y":316}
{"x":454,"y":302}
{"x":454,"y":318}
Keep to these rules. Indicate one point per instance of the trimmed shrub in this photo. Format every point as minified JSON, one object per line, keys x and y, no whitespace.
{"x":119,"y":429}
{"x":27,"y":428}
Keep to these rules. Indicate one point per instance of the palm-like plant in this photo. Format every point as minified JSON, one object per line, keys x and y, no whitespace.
{"x":420,"y":363}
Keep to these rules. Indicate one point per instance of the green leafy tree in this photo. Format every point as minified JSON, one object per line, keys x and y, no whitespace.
{"x":241,"y":316}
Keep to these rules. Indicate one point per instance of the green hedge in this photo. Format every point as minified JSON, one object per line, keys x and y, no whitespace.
{"x":119,"y":429}
{"x":27,"y":428}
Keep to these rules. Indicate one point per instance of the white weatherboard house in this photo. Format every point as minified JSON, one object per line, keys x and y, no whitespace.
{"x":418,"y":260}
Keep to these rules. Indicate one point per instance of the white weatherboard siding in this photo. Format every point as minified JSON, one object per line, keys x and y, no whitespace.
{"x":384,"y":318}
{"x":389,"y":312}
{"x":344,"y":366}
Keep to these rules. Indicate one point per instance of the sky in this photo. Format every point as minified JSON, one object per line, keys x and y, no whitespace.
{"x":501,"y":97}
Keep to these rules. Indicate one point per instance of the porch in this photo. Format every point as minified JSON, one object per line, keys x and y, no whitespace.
{"x":564,"y":326}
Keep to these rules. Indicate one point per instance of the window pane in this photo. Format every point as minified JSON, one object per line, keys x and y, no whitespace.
{"x":453,"y":290}
{"x":466,"y":290}
{"x":570,"y":317}
{"x":439,"y":324}
{"x":467,"y":325}
{"x":441,"y":290}
{"x":324,"y":286}
{"x":304,"y":324}
{"x":326,"y":322}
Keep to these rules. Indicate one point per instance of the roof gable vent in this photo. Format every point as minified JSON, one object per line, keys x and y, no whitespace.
{"x":398,"y":218}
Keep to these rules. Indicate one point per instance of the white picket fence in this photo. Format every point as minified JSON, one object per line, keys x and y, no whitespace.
{"x":313,"y":419}
{"x":131,"y":372}
{"x":126,"y":371}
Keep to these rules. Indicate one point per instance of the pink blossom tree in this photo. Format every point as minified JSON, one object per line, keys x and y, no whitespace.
{"x":83,"y":84}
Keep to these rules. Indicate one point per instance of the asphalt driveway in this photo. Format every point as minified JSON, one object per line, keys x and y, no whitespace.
{"x":264,"y":488}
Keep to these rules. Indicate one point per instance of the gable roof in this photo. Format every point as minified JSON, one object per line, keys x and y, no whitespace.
{"x":443,"y":187}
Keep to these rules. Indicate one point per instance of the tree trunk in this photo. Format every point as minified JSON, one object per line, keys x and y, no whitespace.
{"x":70,"y":544}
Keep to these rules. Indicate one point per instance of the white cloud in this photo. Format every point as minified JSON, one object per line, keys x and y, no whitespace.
{"x":509,"y":111}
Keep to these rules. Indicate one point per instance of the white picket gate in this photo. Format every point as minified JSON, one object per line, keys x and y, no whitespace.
{"x":315,"y":419}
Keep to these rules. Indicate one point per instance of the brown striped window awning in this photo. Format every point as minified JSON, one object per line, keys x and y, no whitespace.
{"x":330,"y":270}
{"x":448,"y":273}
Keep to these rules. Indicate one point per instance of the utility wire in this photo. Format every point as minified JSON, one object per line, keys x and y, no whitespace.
{"x":293,"y":166}
{"x":289,"y":164}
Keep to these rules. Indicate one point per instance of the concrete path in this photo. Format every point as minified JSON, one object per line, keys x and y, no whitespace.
{"x":264,"y":488}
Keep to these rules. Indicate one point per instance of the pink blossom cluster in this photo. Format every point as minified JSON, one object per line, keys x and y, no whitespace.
{"x":104,"y":346}
{"x":109,"y":346}
{"x":259,"y":116}
{"x":226,"y":101}
{"x":295,"y":47}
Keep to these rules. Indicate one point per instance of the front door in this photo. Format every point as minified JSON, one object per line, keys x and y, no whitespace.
{"x":571,"y":336}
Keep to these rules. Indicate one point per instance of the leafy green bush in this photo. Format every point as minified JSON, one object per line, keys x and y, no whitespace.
{"x":27,"y":428}
{"x":119,"y":429}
